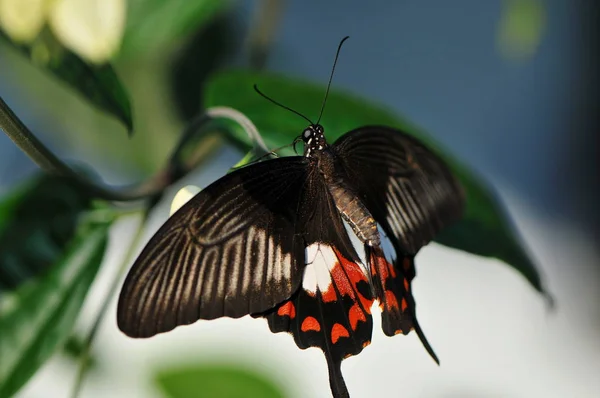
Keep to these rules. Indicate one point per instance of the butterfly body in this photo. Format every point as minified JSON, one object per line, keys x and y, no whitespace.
{"x":346,"y":199}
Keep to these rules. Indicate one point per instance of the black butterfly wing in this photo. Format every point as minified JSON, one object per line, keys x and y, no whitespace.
{"x":230,"y":251}
{"x":409,"y":190}
{"x":332,"y":308}
{"x":412,"y":194}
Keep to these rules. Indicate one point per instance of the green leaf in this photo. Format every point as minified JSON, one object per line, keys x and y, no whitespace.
{"x":215,"y":381}
{"x":485,"y":228}
{"x":153,"y":25}
{"x":39,"y":316}
{"x":99,"y":85}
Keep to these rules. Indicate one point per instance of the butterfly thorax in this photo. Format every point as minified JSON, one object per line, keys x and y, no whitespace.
{"x":347,"y":201}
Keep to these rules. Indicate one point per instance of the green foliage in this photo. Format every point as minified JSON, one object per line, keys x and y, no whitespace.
{"x":99,"y":85}
{"x":484,"y":229}
{"x":154,"y":24}
{"x":215,"y":381}
{"x":36,"y":318}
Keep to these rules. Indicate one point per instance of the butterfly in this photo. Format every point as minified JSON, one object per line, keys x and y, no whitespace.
{"x":269,"y":240}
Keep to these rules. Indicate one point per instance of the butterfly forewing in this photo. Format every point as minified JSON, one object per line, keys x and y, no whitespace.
{"x":412,"y":194}
{"x":409,"y":191}
{"x":230,"y":251}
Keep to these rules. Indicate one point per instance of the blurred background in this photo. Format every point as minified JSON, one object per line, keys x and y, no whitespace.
{"x":509,"y":87}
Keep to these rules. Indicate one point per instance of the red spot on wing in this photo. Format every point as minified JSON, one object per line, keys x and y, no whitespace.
{"x":390,"y":300}
{"x":406,"y":285}
{"x":404,"y":304}
{"x":310,"y":324}
{"x":338,"y":331}
{"x":287,"y":309}
{"x":380,"y":266}
{"x":345,"y":276}
{"x":391,"y":268}
{"x":406,"y":263}
{"x":356,"y":314}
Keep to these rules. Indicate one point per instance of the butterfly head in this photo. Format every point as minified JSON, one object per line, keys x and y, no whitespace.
{"x":314,"y":139}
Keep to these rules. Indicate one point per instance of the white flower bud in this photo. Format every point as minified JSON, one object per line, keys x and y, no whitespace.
{"x":92,"y":29}
{"x":22,"y":20}
{"x":182,"y":197}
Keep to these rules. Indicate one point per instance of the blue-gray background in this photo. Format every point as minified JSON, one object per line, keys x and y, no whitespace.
{"x":531,"y":124}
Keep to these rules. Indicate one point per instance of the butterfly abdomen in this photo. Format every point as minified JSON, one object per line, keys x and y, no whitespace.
{"x":346,"y":200}
{"x":355,"y":213}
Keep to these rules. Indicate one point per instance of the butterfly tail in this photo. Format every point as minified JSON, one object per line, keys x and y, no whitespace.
{"x":424,"y":341}
{"x":336,"y":380}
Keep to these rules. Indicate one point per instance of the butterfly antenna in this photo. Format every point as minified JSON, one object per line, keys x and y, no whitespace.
{"x":281,"y":105}
{"x":337,"y":54}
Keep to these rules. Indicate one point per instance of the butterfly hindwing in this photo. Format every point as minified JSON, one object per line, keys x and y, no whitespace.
{"x":392,"y":286}
{"x":332,"y":308}
{"x":230,"y":251}
{"x":408,"y":189}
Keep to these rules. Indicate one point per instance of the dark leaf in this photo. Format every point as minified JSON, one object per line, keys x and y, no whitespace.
{"x":37,"y":221}
{"x":100,"y":85}
{"x":484,"y":230}
{"x":207,"y":50}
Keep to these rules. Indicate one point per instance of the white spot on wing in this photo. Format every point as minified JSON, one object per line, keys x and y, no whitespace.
{"x":286,"y":264}
{"x":320,"y":260}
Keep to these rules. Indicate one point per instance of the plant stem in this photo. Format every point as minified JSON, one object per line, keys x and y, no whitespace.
{"x":199,"y":127}
{"x":24,"y":139}
{"x":85,"y":354}
{"x":266,"y":21}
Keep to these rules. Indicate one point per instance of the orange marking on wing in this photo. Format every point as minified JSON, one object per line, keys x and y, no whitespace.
{"x":391,"y":268}
{"x":406,"y":263}
{"x":287,"y":309}
{"x":338,"y":331}
{"x":366,"y":343}
{"x":390,"y":300}
{"x":356,"y":314}
{"x":380,"y":264}
{"x":406,"y":285}
{"x":404,"y":304}
{"x":309,"y":324}
{"x":345,"y":275}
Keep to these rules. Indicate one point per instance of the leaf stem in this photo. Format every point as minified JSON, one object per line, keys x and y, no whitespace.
{"x":175,"y":169}
{"x":85,"y":353}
